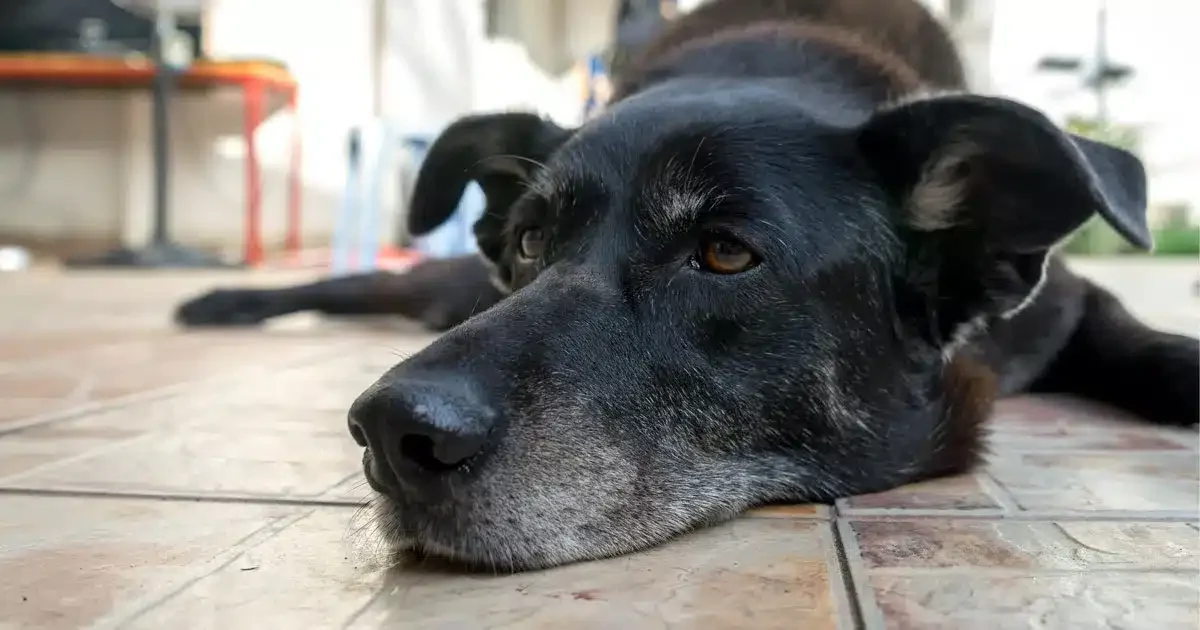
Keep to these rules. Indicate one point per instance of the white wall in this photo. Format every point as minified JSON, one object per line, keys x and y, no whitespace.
{"x":58,"y":171}
{"x":75,"y":167}
{"x":430,"y":59}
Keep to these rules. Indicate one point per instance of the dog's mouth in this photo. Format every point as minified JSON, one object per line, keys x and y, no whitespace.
{"x":417,"y":538}
{"x":458,"y":527}
{"x":414,"y":538}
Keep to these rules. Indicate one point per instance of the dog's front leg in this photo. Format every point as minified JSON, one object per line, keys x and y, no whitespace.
{"x":439,"y":293}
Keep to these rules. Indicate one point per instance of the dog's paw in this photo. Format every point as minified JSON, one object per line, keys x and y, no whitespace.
{"x":225,"y":307}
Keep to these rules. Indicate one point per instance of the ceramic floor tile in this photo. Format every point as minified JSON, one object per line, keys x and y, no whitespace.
{"x":25,"y":347}
{"x":1053,"y":411}
{"x":329,"y":385}
{"x":100,"y":430}
{"x":39,"y":390}
{"x":265,"y":419}
{"x":1057,"y":437}
{"x":69,"y":562}
{"x":1145,"y":482}
{"x":39,"y":446}
{"x":1024,"y":545}
{"x":13,"y":409}
{"x":282,"y":395}
{"x":1055,"y":424}
{"x":960,"y":492}
{"x":761,"y":573}
{"x":199,"y":442}
{"x":136,"y":367}
{"x":942,"y":573}
{"x":251,"y":462}
{"x":1123,"y":601}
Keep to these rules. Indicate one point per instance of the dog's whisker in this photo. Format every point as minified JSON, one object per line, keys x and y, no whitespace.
{"x":475,"y":307}
{"x":510,"y":156}
{"x":692,"y":164}
{"x":401,"y":354}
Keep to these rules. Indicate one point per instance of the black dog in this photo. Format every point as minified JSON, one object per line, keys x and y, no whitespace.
{"x":780,"y":267}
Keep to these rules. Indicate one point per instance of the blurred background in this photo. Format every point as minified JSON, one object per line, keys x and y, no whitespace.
{"x":293,"y":127}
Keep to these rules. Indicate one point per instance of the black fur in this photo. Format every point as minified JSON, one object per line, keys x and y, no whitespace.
{"x":438,"y":293}
{"x":622,"y":394}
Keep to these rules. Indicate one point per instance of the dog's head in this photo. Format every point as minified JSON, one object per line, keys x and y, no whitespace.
{"x":718,"y":302}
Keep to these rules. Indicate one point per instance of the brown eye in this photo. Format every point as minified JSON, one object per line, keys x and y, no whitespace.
{"x":725,"y":256}
{"x":531,"y":244}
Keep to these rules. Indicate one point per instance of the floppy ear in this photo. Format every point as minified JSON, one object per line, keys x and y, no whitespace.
{"x":987,"y":187}
{"x":499,"y":151}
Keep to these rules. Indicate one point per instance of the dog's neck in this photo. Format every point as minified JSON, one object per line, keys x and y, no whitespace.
{"x":969,"y":391}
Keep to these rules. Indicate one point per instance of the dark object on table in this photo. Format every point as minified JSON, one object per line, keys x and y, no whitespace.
{"x":81,"y":26}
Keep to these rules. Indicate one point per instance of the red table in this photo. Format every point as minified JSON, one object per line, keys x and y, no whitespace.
{"x":255,"y":79}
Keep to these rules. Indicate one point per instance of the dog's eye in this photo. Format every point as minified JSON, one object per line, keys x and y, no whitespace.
{"x":725,"y":256}
{"x":532,"y":244}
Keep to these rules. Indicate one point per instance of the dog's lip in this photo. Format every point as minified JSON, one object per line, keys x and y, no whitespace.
{"x":382,"y":486}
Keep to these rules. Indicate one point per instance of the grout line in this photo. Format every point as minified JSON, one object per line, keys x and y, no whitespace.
{"x":845,"y":574}
{"x":869,"y":615}
{"x":998,"y":493}
{"x":178,"y":497}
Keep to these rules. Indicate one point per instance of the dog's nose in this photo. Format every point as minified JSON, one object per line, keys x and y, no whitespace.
{"x":422,"y":427}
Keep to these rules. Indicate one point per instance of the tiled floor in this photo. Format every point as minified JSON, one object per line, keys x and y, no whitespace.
{"x":153,"y":479}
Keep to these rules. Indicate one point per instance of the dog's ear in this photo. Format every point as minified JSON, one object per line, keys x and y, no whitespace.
{"x":987,"y":187}
{"x":499,"y":151}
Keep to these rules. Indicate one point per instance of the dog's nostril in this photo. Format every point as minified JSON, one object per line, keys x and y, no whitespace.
{"x":423,"y":451}
{"x":356,"y":432}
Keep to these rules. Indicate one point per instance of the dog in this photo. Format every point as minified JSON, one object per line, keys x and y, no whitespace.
{"x":792,"y":261}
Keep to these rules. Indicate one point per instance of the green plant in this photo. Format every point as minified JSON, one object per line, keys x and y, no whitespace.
{"x":1177,"y":241}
